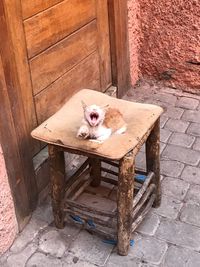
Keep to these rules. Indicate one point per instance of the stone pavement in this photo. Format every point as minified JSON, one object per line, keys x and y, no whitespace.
{"x":169,"y":236}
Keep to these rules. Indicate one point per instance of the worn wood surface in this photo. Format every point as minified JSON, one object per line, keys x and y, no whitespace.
{"x":11,"y":152}
{"x":16,"y":102}
{"x":124,"y":202}
{"x":57,"y":177}
{"x":73,"y":204}
{"x":119,"y":45}
{"x":153,"y":159}
{"x":15,"y":64}
{"x":143,"y":189}
{"x":30,"y":8}
{"x":144,"y":212}
{"x":103,"y":43}
{"x":63,"y":19}
{"x":63,"y":56}
{"x":84,"y":75}
{"x":142,"y":201}
{"x":95,"y":172}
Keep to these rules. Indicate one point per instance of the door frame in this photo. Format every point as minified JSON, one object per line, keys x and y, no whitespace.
{"x":16,"y":92}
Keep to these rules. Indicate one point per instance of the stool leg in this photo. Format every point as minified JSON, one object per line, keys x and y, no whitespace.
{"x":95,"y":172}
{"x":125,"y":202}
{"x":153,"y":159}
{"x":57,"y":172}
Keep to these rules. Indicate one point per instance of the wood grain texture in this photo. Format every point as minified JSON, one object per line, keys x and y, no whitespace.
{"x":18,"y":89}
{"x":119,"y":45}
{"x":52,"y":25}
{"x":12,"y":153}
{"x":95,"y":173}
{"x":84,"y":75}
{"x":57,"y":174}
{"x":153,"y":160}
{"x":17,"y":61}
{"x":124,"y":202}
{"x":32,"y":7}
{"x":103,"y":43}
{"x":60,"y":58}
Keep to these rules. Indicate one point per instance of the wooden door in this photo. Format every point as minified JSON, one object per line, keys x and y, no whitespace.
{"x":50,"y":49}
{"x":68,"y":49}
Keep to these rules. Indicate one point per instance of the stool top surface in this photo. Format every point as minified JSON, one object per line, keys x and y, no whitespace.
{"x":61,"y":128}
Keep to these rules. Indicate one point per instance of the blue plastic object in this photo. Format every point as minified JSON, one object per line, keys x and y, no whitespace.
{"x":114,"y":242}
{"x":91,"y":223}
{"x":77,"y":219}
{"x":140,"y":177}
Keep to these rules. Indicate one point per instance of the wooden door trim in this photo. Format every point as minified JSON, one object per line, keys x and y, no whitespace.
{"x":17,"y":107}
{"x":118,"y":20}
{"x":17,"y":117}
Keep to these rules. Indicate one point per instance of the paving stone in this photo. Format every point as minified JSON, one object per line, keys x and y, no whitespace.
{"x":191,"y":214}
{"x":174,"y":113}
{"x":44,"y":212}
{"x":163,"y":120}
{"x":140,"y":161}
{"x":162,"y":147}
{"x":171,"y":168}
{"x":185,"y":155}
{"x":175,"y":188}
{"x":148,"y":249}
{"x":91,"y":248}
{"x":164,"y":135}
{"x":169,"y":207}
{"x":116,"y":260}
{"x":28,"y":234}
{"x":20,"y":259}
{"x":52,"y":243}
{"x":191,"y":115}
{"x":56,"y":242}
{"x":72,"y":260}
{"x":181,"y":139}
{"x":149,"y":224}
{"x":177,"y":125}
{"x":148,"y":265}
{"x":194,"y":129}
{"x":179,"y":233}
{"x":191,"y":175}
{"x":41,"y":260}
{"x":193,"y":195}
{"x":181,"y":257}
{"x":166,"y":98}
{"x":196,"y":145}
{"x":187,"y":103}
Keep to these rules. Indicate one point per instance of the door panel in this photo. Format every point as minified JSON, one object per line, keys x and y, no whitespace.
{"x":55,"y":23}
{"x":61,"y":57}
{"x":30,"y":8}
{"x":68,"y":49}
{"x":84,"y":75}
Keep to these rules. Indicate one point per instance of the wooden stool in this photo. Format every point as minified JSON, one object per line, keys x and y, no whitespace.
{"x":134,"y":196}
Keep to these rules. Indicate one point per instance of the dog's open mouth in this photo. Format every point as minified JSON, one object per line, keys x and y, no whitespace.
{"x":94,"y":116}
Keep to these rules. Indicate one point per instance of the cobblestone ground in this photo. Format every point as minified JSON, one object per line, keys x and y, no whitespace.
{"x":169,"y":236}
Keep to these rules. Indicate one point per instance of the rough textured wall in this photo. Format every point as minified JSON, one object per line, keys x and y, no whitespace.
{"x":8,"y":223}
{"x":134,"y":38}
{"x":170,"y":41}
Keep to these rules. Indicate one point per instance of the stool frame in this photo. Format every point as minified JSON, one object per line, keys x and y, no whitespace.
{"x":130,"y":210}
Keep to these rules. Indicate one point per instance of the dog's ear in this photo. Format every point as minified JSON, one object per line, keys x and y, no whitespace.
{"x":83,"y":105}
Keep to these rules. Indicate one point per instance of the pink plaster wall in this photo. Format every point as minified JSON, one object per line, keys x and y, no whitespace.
{"x":8,"y":223}
{"x":169,"y":41}
{"x":134,"y":38}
